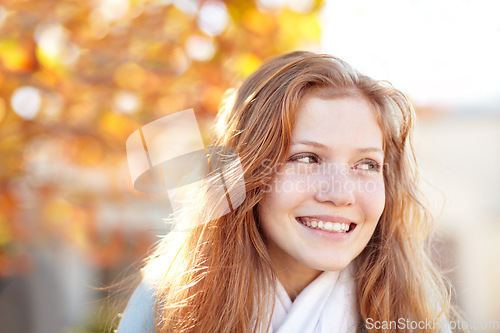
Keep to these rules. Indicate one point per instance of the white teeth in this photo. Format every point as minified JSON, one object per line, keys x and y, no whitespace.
{"x":328,"y":226}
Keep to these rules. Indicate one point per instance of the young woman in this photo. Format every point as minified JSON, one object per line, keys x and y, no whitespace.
{"x":331,"y":234}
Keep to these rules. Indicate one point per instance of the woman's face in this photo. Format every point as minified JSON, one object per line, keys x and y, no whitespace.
{"x":322,"y":207}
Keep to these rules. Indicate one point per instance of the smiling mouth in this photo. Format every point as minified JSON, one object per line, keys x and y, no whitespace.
{"x":334,"y":227}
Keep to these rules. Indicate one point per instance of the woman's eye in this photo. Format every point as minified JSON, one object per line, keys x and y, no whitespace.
{"x":368,"y":166}
{"x":305,"y":158}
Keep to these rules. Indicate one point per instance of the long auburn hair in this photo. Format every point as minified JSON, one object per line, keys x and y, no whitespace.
{"x":217,"y":276}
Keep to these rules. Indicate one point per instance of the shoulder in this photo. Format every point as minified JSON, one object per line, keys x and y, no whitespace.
{"x":139,"y":315}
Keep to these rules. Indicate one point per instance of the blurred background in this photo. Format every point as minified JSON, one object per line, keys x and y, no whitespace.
{"x":78,"y":77}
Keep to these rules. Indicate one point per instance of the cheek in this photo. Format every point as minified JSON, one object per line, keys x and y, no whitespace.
{"x":287,"y":189}
{"x":372,"y":201}
{"x":281,"y":197}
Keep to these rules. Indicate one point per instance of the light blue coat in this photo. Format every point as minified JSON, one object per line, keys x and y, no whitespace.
{"x":139,"y":315}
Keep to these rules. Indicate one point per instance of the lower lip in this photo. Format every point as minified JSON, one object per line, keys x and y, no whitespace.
{"x":327,"y":235}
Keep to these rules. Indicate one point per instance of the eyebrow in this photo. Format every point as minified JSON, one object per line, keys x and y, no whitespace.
{"x":322,"y":146}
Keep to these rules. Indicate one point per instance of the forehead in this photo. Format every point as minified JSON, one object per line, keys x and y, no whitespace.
{"x":350,"y":120}
{"x":339,"y":93}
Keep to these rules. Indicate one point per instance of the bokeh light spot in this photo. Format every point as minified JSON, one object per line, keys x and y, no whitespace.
{"x":26,"y":102}
{"x":113,"y":10}
{"x":301,"y":6}
{"x":200,"y":48}
{"x":213,"y":18}
{"x":189,"y":7}
{"x":52,"y":104}
{"x":55,"y":46}
{"x":115,"y":125}
{"x":179,"y":62}
{"x":98,"y":25}
{"x":14,"y":56}
{"x":271,"y":4}
{"x":126,"y":102}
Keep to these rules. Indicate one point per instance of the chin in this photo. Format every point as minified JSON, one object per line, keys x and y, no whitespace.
{"x":331,"y":264}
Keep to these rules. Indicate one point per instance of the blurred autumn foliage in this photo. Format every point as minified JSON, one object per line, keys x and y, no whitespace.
{"x":78,"y":77}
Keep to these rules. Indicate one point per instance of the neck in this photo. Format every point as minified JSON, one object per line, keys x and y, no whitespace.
{"x":293,"y":275}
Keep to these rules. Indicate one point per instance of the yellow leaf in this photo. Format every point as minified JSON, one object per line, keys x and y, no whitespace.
{"x":14,"y":57}
{"x":258,"y":22}
{"x":247,"y":63}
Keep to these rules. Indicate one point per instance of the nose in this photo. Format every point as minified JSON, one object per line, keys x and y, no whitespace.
{"x":336,"y":187}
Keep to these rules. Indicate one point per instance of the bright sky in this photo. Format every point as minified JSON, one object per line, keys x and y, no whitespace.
{"x":444,"y":52}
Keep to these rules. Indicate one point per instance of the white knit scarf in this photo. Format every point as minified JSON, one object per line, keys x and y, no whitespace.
{"x":326,"y":305}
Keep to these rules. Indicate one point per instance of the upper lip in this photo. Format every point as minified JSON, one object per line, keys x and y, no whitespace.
{"x":329,"y":218}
